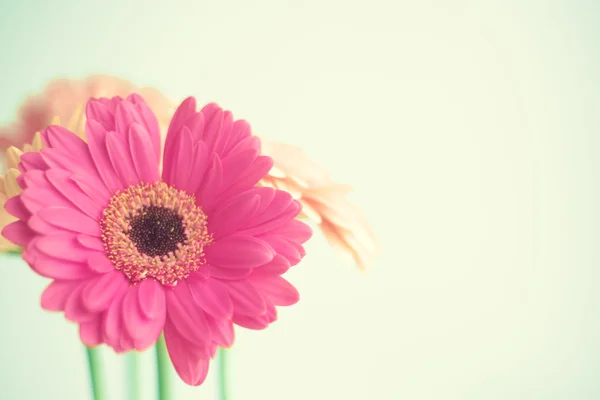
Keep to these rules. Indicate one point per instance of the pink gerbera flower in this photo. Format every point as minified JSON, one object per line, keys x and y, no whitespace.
{"x":134,"y":253}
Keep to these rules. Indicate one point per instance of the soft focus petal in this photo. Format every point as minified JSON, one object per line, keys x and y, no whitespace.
{"x":144,"y":323}
{"x":239,"y":252}
{"x":190,"y":361}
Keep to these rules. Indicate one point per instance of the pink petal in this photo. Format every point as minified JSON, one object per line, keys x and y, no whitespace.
{"x":100,"y":263}
{"x":74,"y":309}
{"x":186,"y":316}
{"x":248,"y":143}
{"x":99,"y":293}
{"x":234,"y":214}
{"x":36,"y":199}
{"x":32,"y":161}
{"x":150,"y":123}
{"x":239,"y":132}
{"x":113,"y":325}
{"x":225,"y":136}
{"x":152,"y":300}
{"x":90,"y":331}
{"x":63,"y":246}
{"x":259,"y":168}
{"x":97,"y":192}
{"x":277,"y":221}
{"x":126,"y":115}
{"x":126,"y":343}
{"x":229,"y":273}
{"x":30,"y":254}
{"x":91,"y":242}
{"x":239,"y":252}
{"x":279,"y":265}
{"x":70,"y":219}
{"x":196,"y":125}
{"x":62,"y":182}
{"x":98,"y":111}
{"x":246,"y":299}
{"x":211,"y":185}
{"x":65,"y":141}
{"x":140,"y":148}
{"x":235,"y":165}
{"x":222,"y":330}
{"x":16,"y":208}
{"x":251,"y":321}
{"x":56,"y":294}
{"x":57,"y":159}
{"x":96,"y":136}
{"x":143,"y":331}
{"x":117,"y":146}
{"x":294,"y":230}
{"x":213,"y":122}
{"x":182,"y":170}
{"x":40,"y":226}
{"x":199,"y":166}
{"x":184,"y":112}
{"x":177,"y":167}
{"x":61,"y":269}
{"x":33,"y":179}
{"x":279,"y":291}
{"x":189,"y":361}
{"x":212,"y":296}
{"x":272,"y":214}
{"x":286,"y":248}
{"x":18,"y":232}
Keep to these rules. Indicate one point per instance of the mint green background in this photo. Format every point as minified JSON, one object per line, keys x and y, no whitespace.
{"x":470,"y":132}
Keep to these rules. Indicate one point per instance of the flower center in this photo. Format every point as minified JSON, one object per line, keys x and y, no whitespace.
{"x":155,"y":231}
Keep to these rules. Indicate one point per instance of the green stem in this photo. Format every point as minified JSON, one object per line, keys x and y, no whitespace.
{"x":96,"y":373}
{"x":163,"y":366}
{"x":222,"y":373}
{"x":133,"y":379}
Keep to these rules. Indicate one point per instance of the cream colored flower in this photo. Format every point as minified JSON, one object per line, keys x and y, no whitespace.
{"x":324,"y":202}
{"x":10,"y":188}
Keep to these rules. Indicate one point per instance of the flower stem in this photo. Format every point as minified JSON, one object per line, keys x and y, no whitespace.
{"x":222,"y":374}
{"x":163,"y":369}
{"x":96,"y":373}
{"x":133,"y":379}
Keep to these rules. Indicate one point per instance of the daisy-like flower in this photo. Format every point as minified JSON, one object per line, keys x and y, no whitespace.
{"x":134,"y":252}
{"x":324,"y":202}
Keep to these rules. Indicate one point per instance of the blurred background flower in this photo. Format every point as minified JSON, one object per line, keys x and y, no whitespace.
{"x":65,"y":99}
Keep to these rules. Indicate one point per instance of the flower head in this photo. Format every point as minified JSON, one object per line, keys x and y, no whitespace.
{"x":324,"y":202}
{"x":134,"y":251}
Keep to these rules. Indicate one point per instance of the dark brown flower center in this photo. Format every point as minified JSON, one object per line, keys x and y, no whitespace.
{"x":156,"y":231}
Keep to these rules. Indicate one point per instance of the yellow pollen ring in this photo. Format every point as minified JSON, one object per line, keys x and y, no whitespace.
{"x":123,"y":252}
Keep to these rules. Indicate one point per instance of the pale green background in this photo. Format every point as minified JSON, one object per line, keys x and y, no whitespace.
{"x":470,"y":131}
